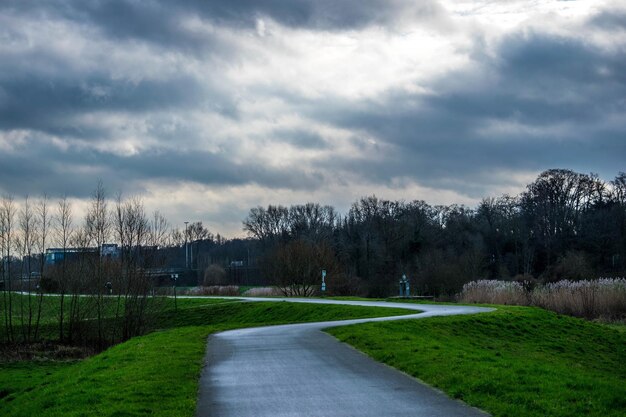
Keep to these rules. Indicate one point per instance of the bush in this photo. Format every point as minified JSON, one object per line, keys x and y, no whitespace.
{"x":573,"y":266}
{"x":295,"y":267}
{"x":49,"y":285}
{"x":214,"y":275}
{"x":342,"y":284}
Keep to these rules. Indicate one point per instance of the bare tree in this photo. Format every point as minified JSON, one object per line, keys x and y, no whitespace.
{"x":159,"y":230}
{"x":75,"y":283}
{"x":44,"y":222}
{"x":98,"y":227}
{"x":64,"y":235}
{"x":267,"y":225}
{"x":7,"y":219}
{"x":296,"y":267}
{"x":134,"y":233}
{"x":177,"y":238}
{"x":28,"y":231}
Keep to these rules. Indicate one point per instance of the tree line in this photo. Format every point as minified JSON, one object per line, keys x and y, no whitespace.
{"x":564,"y":225}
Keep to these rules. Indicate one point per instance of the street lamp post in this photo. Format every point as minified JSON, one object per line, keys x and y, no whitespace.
{"x":174,"y":278}
{"x":186,"y":254}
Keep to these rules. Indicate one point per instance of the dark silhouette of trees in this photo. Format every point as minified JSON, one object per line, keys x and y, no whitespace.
{"x":564,"y":225}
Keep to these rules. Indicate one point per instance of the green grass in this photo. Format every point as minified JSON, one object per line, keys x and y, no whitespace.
{"x":516,"y":361}
{"x":50,"y":305}
{"x":156,"y":374}
{"x":50,"y":308}
{"x":269,"y":313}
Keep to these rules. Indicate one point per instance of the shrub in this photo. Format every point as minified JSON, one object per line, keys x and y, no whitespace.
{"x":214,"y":275}
{"x":295,"y":267}
{"x":573,"y":265}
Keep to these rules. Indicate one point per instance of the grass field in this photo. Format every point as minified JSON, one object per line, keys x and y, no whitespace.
{"x":156,"y":374}
{"x":516,"y":361}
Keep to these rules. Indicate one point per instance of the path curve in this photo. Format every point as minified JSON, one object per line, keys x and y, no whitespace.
{"x":298,"y":370}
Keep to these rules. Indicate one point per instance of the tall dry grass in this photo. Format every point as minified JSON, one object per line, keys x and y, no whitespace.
{"x":602,"y":298}
{"x":494,"y":292}
{"x":263,"y":292}
{"x":221,"y":290}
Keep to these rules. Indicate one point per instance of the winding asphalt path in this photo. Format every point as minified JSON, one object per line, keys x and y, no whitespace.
{"x":298,"y":370}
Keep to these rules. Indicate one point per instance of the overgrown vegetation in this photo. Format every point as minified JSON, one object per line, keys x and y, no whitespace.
{"x":603,"y":298}
{"x":516,"y":361}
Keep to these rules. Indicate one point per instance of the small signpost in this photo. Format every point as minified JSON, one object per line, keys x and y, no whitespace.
{"x":323,"y":281}
{"x":404,"y":286}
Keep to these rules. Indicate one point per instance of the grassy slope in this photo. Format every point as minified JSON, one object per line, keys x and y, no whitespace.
{"x":517,"y":361}
{"x":49,"y":328}
{"x":50,"y":306}
{"x":155,"y":374}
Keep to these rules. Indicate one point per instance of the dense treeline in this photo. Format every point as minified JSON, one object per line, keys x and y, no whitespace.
{"x":565,"y":225}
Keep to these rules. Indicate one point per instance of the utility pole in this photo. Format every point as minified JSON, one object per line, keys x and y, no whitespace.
{"x":186,"y":253}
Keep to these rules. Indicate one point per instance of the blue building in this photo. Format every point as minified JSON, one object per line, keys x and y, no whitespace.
{"x":55,"y":256}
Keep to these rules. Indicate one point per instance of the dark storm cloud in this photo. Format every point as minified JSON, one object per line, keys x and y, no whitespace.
{"x":39,"y":166}
{"x":299,"y":138}
{"x":48,"y":104}
{"x":610,"y":19}
{"x":541,"y":102}
{"x":158,"y":20}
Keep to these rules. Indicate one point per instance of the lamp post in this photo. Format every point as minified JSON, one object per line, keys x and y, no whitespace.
{"x":186,"y":254}
{"x":174,"y":278}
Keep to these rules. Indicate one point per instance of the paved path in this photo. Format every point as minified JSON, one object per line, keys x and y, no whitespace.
{"x":297,"y":370}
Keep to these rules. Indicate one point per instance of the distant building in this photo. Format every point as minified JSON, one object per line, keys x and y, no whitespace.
{"x":55,"y":256}
{"x":110,"y":251}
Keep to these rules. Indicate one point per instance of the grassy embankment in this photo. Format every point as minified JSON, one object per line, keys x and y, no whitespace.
{"x":516,"y":361}
{"x":156,"y":374}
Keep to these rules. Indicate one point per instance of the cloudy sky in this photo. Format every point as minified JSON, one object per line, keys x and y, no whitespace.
{"x":207,"y":108}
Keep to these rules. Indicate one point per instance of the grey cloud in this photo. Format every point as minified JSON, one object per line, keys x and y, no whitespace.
{"x":50,"y":105}
{"x":38,"y":165}
{"x":567,"y":96}
{"x":610,"y":19}
{"x":560,"y":96}
{"x":300,"y":138}
{"x":159,"y":21}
